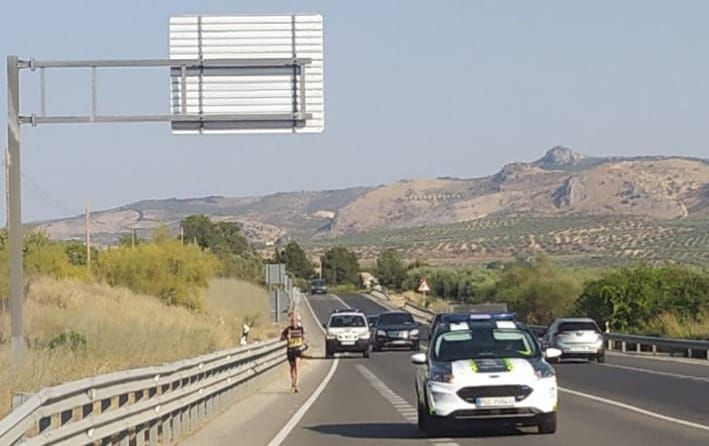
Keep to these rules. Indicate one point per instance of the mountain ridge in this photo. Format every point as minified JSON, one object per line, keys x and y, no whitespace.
{"x":561,"y":182}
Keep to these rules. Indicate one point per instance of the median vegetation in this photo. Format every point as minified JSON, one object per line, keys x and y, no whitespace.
{"x":663,"y":300}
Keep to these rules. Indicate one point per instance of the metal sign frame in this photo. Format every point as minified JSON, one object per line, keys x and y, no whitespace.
{"x":186,"y":67}
{"x":297,"y":118}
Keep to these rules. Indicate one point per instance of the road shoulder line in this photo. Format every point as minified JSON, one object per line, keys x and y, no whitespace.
{"x":635,"y":409}
{"x":302,"y":410}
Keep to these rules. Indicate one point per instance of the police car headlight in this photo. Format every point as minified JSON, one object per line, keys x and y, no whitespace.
{"x":330,"y":336}
{"x":364,"y":335}
{"x":381,"y":333}
{"x":545,"y":373}
{"x":441,"y":374}
{"x":414,"y":332}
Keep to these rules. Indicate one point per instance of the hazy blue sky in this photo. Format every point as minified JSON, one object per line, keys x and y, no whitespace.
{"x":413,"y":88}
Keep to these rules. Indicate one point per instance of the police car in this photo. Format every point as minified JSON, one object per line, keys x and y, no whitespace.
{"x":485,"y":367}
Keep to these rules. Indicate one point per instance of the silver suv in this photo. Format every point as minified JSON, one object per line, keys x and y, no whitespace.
{"x":576,"y":338}
{"x":347,"y":330}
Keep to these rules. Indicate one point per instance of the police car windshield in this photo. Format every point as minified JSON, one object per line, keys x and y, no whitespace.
{"x":484,"y":342}
{"x":347,"y":321}
{"x":395,"y":319}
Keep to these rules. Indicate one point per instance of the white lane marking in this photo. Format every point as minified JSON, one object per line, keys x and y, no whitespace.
{"x":341,"y":301}
{"x":290,"y":425}
{"x":635,"y":409}
{"x":298,"y":415}
{"x":648,"y":357}
{"x":378,"y":302}
{"x":657,"y":372}
{"x":406,"y":410}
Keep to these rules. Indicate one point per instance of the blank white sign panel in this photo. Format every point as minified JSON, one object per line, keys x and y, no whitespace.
{"x":267,"y":91}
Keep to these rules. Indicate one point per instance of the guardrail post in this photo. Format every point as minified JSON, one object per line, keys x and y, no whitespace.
{"x":153,"y":433}
{"x":638,"y":348}
{"x":654,"y":349}
{"x":623,"y":346}
{"x":140,"y":435}
{"x":689,"y":352}
{"x":124,"y":438}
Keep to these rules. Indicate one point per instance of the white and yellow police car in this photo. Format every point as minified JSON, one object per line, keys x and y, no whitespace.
{"x":484,"y":369}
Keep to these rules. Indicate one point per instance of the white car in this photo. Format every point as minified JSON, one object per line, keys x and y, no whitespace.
{"x":347,"y":331}
{"x":485,"y":370}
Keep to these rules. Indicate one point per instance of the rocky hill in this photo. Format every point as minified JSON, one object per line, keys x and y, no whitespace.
{"x":560,"y":183}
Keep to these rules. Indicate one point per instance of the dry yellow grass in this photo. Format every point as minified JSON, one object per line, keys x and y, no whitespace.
{"x":674,"y":327}
{"x":123,"y":330}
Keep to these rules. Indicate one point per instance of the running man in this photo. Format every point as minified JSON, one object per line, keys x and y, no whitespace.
{"x":294,"y":334}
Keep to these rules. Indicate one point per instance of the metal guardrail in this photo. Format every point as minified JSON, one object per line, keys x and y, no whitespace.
{"x":152,"y":405}
{"x":614,"y":341}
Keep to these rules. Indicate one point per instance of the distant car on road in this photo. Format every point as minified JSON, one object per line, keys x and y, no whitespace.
{"x":485,"y":370}
{"x":579,"y":338}
{"x":318,"y":286}
{"x":347,"y":331}
{"x":395,"y":329}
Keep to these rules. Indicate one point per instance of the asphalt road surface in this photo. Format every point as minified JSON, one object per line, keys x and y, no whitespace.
{"x":628,"y":401}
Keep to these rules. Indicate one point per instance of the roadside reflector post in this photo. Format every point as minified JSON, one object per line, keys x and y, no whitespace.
{"x":623,"y":346}
{"x":654,"y":349}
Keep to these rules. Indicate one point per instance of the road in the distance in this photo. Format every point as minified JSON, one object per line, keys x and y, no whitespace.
{"x":369,"y":401}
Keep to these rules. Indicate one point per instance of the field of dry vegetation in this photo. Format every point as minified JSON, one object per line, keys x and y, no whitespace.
{"x":77,"y":329}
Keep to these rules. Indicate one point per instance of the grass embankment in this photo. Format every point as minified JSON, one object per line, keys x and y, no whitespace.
{"x":116,"y":329}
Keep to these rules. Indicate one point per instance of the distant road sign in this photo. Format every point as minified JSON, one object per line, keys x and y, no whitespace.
{"x":275,"y":274}
{"x":423,"y":287}
{"x":265,"y":71}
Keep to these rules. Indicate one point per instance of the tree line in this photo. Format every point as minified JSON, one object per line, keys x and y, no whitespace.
{"x":648,"y":299}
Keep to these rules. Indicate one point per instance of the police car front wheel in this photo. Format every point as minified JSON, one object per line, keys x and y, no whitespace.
{"x":547,"y":423}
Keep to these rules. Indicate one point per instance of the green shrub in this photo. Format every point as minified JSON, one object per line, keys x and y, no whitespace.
{"x":340,"y":266}
{"x":70,"y":339}
{"x":391,"y":270}
{"x":165,"y":268}
{"x":632,"y":299}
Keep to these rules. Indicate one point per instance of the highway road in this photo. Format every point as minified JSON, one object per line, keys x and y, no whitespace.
{"x":628,"y":401}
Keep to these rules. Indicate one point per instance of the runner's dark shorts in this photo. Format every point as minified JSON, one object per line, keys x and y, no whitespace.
{"x":293,"y":353}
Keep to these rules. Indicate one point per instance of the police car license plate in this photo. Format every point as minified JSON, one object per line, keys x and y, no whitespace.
{"x":495,"y":401}
{"x":347,"y":342}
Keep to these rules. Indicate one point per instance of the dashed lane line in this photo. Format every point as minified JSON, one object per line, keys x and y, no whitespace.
{"x":657,"y":372}
{"x":406,"y":410}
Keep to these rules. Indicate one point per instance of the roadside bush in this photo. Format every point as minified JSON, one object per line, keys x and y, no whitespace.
{"x":71,"y":339}
{"x":41,"y":256}
{"x":391,"y":269}
{"x":469,"y":285}
{"x":636,"y":299}
{"x":227,"y":242}
{"x":165,"y":268}
{"x":340,"y":266}
{"x":538,"y":291}
{"x":296,"y":260}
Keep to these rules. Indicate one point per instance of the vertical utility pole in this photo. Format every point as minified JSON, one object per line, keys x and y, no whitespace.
{"x":182,"y":235}
{"x":132,"y":237}
{"x":14,"y":209}
{"x":87,"y":223}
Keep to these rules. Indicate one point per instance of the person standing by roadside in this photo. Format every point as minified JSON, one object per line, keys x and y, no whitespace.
{"x":245,"y":328}
{"x":294,"y":335}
